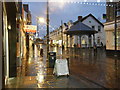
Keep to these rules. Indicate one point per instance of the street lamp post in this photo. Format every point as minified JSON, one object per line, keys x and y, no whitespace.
{"x":62,"y":33}
{"x":115,"y":27}
{"x":37,"y":28}
{"x":47,"y":28}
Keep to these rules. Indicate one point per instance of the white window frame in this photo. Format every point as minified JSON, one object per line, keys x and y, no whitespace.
{"x":99,"y":27}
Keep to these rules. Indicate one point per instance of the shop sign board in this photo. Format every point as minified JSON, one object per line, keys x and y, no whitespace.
{"x":30,"y":28}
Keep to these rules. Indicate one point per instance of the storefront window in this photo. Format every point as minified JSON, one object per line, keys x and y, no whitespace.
{"x":93,"y":27}
{"x":99,"y":28}
{"x":118,"y":38}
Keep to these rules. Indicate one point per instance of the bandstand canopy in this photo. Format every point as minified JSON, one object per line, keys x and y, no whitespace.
{"x":80,"y":29}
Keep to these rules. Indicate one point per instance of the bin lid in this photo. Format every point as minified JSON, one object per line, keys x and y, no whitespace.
{"x":52,"y":53}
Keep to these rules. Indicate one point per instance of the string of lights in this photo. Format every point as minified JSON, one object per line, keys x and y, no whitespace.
{"x":84,"y":3}
{"x":93,"y":3}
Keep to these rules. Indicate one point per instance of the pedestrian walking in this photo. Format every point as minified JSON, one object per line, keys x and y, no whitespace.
{"x":63,"y":47}
{"x":95,"y":47}
{"x":85,"y":44}
{"x":33,"y":46}
{"x":101,"y":44}
{"x":41,"y":52}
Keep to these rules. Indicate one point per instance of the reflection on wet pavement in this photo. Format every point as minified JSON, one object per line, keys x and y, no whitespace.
{"x":48,"y":81}
{"x":95,"y":67}
{"x":88,"y":69}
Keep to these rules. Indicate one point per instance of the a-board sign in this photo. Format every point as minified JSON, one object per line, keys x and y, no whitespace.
{"x":61,"y":67}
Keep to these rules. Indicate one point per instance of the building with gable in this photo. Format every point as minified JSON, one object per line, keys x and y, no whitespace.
{"x":86,"y":32}
{"x":96,"y":25}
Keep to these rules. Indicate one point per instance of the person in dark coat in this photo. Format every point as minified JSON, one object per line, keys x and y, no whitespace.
{"x":41,"y":52}
{"x":95,"y":47}
{"x":33,"y":46}
{"x":62,"y":46}
{"x":101,"y":44}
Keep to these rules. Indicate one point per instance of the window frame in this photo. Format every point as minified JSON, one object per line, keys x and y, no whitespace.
{"x":99,"y":28}
{"x":93,"y":26}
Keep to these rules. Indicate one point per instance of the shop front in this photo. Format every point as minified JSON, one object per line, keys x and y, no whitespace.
{"x":110,"y":35}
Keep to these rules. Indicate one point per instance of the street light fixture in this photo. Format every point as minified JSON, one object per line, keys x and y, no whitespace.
{"x":39,"y":20}
{"x":42,"y":20}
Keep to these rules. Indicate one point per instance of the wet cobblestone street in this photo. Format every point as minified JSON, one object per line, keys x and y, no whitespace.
{"x":88,"y":69}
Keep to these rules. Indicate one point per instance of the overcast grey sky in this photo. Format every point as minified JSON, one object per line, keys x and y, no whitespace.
{"x":65,"y":12}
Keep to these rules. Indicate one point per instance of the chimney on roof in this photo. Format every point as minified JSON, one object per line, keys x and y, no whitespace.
{"x":79,"y":18}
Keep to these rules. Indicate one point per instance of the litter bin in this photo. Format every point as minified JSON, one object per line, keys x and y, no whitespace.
{"x":52,"y":58}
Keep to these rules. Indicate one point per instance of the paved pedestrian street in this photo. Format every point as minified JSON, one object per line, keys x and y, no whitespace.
{"x":88,"y":69}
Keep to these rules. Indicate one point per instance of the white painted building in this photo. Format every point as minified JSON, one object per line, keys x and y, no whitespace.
{"x":85,"y":40}
{"x":58,"y":35}
{"x":94,"y":23}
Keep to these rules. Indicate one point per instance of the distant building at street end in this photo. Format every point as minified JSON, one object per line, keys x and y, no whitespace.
{"x":83,"y":38}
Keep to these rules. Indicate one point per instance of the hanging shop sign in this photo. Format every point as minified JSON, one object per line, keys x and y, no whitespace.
{"x":30,"y":28}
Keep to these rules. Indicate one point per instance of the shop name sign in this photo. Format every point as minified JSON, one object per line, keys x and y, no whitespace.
{"x":30,"y":28}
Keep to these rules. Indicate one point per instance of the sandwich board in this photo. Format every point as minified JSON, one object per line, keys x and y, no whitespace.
{"x":61,"y":67}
